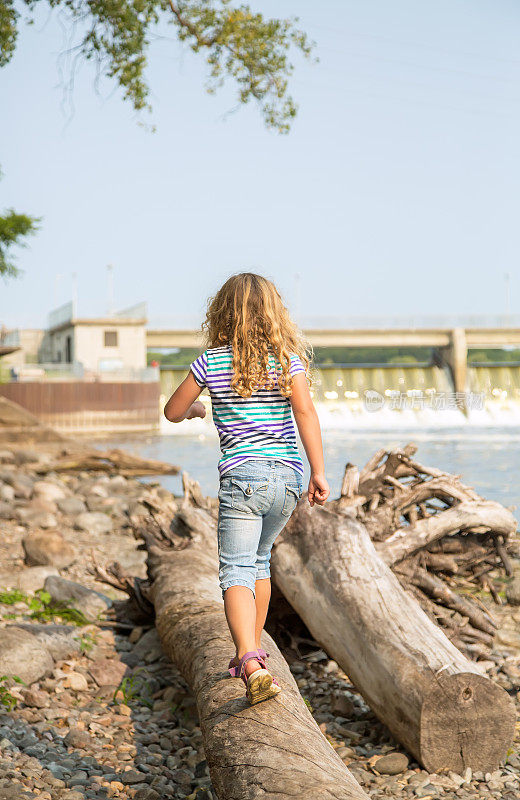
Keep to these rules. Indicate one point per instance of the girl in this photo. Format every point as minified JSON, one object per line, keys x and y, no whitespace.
{"x":256,"y":370}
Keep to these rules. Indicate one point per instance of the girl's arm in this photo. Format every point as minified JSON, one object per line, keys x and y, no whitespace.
{"x":310,"y":434}
{"x":183,"y":403}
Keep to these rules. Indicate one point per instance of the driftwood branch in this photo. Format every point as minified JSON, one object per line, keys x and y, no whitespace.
{"x":467,"y":514}
{"x":111,"y":461}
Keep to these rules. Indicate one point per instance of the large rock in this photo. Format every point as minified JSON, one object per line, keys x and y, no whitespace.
{"x":391,"y":764}
{"x":107,"y":671}
{"x":117,"y":483}
{"x":36,"y":518}
{"x":99,"y":489}
{"x":72,"y":506}
{"x":23,"y":655}
{"x":513,"y":592}
{"x":70,"y":593}
{"x":47,"y":548}
{"x":61,"y":641}
{"x":26,"y":456}
{"x":342,"y":705}
{"x":149,"y":647}
{"x":7,"y":510}
{"x":35,"y":698}
{"x":6,"y":492}
{"x":15,"y":792}
{"x":22,"y":484}
{"x":33,"y":578}
{"x":75,"y":681}
{"x":78,"y":738}
{"x":48,"y":490}
{"x":94,"y":522}
{"x":107,"y":505}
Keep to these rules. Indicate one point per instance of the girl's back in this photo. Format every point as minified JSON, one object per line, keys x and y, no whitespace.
{"x":259,"y":426}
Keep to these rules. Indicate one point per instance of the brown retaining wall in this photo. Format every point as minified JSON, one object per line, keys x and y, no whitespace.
{"x":76,"y":406}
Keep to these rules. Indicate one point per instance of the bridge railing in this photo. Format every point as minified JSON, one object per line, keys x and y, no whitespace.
{"x":177,"y":322}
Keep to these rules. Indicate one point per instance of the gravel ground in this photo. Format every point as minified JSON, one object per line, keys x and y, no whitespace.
{"x":111,"y":717}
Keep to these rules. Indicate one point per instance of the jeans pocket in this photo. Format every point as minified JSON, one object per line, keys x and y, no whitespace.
{"x":292,"y":495}
{"x":224,"y":491}
{"x":249,"y":494}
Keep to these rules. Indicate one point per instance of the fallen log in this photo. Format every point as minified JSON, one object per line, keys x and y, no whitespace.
{"x":273,"y":749}
{"x":112,"y":461}
{"x":434,"y":700}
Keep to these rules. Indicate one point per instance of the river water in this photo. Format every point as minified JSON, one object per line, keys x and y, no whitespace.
{"x":486,"y":456}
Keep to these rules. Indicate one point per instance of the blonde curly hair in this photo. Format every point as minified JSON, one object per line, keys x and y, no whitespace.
{"x":248,"y":313}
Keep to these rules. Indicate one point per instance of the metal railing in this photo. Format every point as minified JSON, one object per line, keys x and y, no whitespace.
{"x":182,"y":322}
{"x":62,"y":371}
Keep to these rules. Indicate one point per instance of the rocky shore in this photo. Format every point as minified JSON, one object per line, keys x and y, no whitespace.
{"x":93,"y":709}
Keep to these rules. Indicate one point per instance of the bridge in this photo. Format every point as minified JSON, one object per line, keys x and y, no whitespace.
{"x":450,"y":345}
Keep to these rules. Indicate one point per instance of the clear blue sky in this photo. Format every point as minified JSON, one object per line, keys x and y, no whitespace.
{"x":397,"y":190}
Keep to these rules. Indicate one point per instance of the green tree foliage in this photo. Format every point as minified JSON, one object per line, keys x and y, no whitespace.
{"x":236,"y":42}
{"x":14,"y":229}
{"x":371,"y":355}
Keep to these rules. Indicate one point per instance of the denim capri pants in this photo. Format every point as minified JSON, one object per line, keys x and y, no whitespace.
{"x":256,"y":500}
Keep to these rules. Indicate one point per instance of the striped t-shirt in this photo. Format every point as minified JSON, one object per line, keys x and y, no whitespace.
{"x":260,"y":426}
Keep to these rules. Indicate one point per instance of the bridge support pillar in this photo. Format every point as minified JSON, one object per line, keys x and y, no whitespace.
{"x":456,"y":358}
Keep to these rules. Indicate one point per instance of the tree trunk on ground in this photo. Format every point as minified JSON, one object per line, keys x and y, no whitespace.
{"x":433,"y":700}
{"x":112,"y":461}
{"x":272,"y":749}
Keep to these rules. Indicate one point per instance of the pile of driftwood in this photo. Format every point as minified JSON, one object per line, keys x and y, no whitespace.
{"x":437,"y":535}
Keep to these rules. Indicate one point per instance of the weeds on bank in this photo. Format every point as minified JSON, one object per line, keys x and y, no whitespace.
{"x":86,"y":642}
{"x":307,"y":703}
{"x":7,"y":700}
{"x":181,"y":714}
{"x":135,"y":687}
{"x":40,"y":607}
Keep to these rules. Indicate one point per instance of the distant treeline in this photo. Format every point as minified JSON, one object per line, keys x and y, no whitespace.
{"x":352,"y":355}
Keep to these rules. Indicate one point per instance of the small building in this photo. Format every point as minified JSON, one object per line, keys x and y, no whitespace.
{"x":84,"y":374}
{"x":115,"y":343}
{"x":20,"y":347}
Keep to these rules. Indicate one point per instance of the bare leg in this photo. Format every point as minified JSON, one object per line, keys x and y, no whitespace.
{"x":263,"y":595}
{"x":240,"y":610}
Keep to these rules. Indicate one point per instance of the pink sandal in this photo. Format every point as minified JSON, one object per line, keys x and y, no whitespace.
{"x":233,"y":668}
{"x":260,"y":684}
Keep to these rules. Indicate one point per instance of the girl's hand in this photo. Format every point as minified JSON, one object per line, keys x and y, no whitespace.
{"x":197,"y":409}
{"x":318,"y":490}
